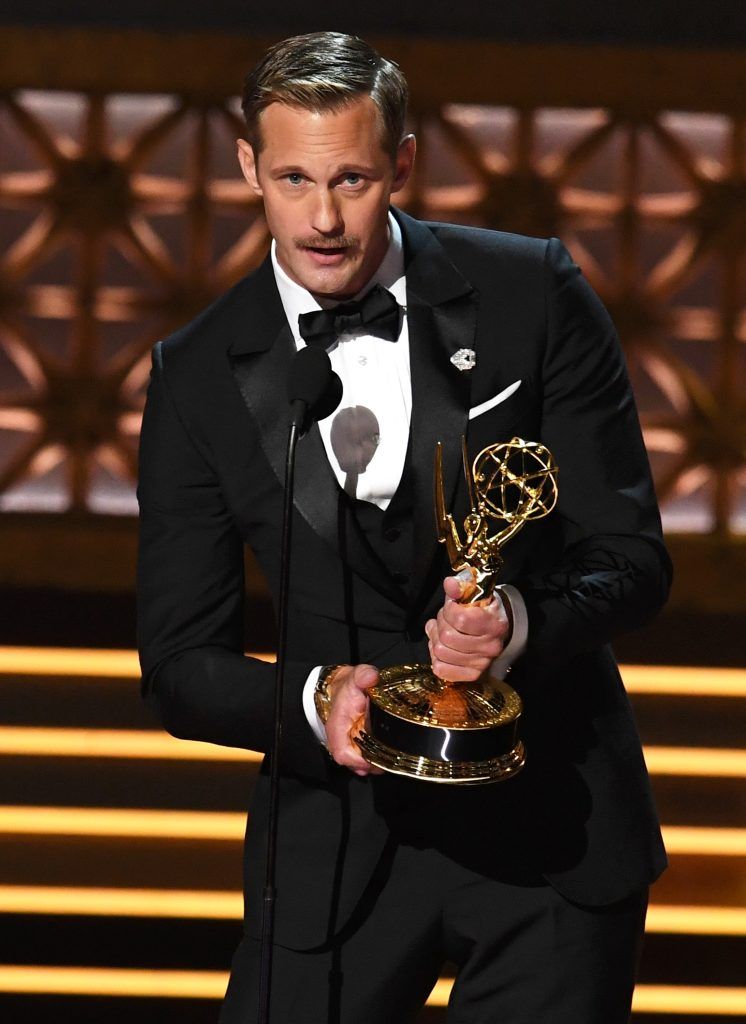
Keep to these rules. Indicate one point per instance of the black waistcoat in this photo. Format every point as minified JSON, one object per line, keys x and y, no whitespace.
{"x":390,"y":537}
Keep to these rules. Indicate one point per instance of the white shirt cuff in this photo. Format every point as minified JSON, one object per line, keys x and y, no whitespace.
{"x":517,"y":643}
{"x":309,"y":705}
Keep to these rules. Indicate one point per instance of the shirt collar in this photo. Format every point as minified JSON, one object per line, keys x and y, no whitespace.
{"x":297,"y":300}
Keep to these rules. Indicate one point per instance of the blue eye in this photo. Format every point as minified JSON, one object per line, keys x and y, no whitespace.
{"x":295,"y":179}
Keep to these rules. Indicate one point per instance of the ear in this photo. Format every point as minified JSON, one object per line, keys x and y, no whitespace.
{"x":404,"y":162}
{"x":247,"y":161}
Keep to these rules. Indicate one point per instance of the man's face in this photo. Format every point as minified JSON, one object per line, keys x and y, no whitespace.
{"x":326,"y":182}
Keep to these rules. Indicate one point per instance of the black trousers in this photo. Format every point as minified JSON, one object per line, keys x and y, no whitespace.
{"x":521,"y":952}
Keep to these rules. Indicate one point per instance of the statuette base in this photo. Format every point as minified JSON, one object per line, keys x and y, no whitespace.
{"x":426,"y":728}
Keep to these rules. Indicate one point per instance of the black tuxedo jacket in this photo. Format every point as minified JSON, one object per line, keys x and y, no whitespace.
{"x":212,"y":457}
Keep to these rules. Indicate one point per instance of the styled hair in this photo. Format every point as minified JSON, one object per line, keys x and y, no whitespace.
{"x":324,"y":71}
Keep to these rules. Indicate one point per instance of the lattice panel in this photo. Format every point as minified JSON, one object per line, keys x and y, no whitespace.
{"x":122,"y":216}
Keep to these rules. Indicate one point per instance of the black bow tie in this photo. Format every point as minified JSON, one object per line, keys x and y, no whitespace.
{"x":376,"y":313}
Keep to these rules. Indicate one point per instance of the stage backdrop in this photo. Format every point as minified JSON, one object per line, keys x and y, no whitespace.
{"x":122,"y":214}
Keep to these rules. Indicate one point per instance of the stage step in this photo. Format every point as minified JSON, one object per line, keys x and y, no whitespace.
{"x":139,"y":862}
{"x":120,"y":848}
{"x":684,"y":798}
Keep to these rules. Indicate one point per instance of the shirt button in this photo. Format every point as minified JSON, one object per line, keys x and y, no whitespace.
{"x":363,"y":360}
{"x":392,"y":534}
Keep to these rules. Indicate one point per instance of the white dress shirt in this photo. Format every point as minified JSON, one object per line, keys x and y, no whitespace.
{"x":375,"y":374}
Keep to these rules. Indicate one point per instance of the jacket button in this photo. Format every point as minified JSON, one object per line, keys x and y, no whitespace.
{"x":392,"y":533}
{"x":401,"y":577}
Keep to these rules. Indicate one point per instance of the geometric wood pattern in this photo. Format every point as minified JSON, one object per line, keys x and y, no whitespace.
{"x":122,"y":216}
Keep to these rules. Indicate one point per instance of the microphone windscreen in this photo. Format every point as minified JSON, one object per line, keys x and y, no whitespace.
{"x":329,"y":400}
{"x":310,"y":373}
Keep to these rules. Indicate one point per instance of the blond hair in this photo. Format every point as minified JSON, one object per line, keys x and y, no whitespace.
{"x":326,"y":71}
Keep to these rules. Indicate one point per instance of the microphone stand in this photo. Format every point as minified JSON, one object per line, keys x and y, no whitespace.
{"x":269,"y":893}
{"x":314,"y":392}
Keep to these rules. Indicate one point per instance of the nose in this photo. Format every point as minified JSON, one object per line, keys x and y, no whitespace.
{"x":326,"y":217}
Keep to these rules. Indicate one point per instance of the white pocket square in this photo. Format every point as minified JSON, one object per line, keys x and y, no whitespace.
{"x":492,"y":402}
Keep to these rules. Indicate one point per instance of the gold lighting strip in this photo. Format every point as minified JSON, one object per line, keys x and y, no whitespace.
{"x":663,"y":919}
{"x":112,"y":981}
{"x":123,"y":823}
{"x":710,"y":762}
{"x":230,"y":826}
{"x":133,"y":744}
{"x":707,"y":842}
{"x":147,"y":744}
{"x":123,"y":664}
{"x":86,"y":662}
{"x":69,"y":661}
{"x":110,"y":902}
{"x":687,"y":1000}
{"x":690,"y":1000}
{"x":133,"y":982}
{"x":228,"y":905}
{"x":681,"y":681}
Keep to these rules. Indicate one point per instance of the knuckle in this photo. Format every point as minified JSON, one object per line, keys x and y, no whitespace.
{"x":454,"y":674}
{"x":497,"y":627}
{"x":469,"y":673}
{"x":460,"y":619}
{"x":440,"y":650}
{"x":447,"y":635}
{"x":345,"y":759}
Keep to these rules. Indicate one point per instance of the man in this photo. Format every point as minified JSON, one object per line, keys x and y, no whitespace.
{"x":534,"y":889}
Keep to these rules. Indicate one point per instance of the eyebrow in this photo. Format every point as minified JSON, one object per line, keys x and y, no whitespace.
{"x":344,"y":169}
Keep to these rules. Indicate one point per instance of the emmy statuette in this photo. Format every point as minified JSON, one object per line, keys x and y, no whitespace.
{"x":424,"y":727}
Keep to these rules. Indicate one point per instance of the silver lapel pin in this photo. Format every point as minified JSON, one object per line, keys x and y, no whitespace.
{"x":464,"y":359}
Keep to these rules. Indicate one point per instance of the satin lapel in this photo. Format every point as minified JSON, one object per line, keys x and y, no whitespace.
{"x":440,"y":408}
{"x":442,"y":318}
{"x":261,"y":377}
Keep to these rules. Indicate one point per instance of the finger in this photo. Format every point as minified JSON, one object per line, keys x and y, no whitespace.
{"x":464,"y":639}
{"x":347,"y":718}
{"x":456,"y":673}
{"x":365,"y":676}
{"x":473,"y":620}
{"x":444,"y":638}
{"x":345,"y":752}
{"x":453,"y":588}
{"x":368,"y":769}
{"x":352,"y":757}
{"x":462,"y":659}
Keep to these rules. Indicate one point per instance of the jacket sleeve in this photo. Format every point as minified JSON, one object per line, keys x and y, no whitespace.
{"x":190,"y":602}
{"x":613,"y":573}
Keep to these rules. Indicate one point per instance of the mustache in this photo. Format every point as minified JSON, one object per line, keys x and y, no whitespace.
{"x":340,"y":242}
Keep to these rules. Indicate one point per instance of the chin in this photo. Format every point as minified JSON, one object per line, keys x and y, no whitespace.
{"x":333,"y":287}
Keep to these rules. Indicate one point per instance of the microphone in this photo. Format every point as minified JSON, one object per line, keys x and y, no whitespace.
{"x":314,"y":389}
{"x":314,"y":392}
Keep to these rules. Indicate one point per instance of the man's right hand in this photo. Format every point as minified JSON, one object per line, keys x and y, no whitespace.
{"x":348,"y":692}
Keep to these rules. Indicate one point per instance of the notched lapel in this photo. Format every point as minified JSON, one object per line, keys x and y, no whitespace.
{"x":261,"y":379}
{"x":442,"y":318}
{"x":440,"y":408}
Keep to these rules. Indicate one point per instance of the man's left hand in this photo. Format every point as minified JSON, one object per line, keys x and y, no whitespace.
{"x":465,"y":638}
